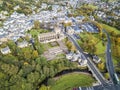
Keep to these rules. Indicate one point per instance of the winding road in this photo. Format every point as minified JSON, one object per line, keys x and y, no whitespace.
{"x":104,"y":84}
{"x":109,"y":62}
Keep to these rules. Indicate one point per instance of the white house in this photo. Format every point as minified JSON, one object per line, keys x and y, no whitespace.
{"x":22,"y":44}
{"x":96,"y":59}
{"x":16,"y":7}
{"x":75,"y":57}
{"x":5,"y":50}
{"x":69,"y":56}
{"x":44,"y":6}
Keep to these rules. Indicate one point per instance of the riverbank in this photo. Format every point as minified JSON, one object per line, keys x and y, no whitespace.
{"x":71,"y":80}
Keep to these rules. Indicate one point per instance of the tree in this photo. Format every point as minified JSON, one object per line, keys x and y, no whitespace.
{"x":5,"y":67}
{"x":41,"y":60}
{"x":107,"y":75}
{"x":69,"y":45}
{"x":33,"y":77}
{"x":51,"y":71}
{"x":51,"y":81}
{"x":46,"y":71}
{"x":34,"y":54}
{"x":36,"y":24}
{"x":50,"y":8}
{"x":9,"y":59}
{"x":2,"y":78}
{"x":27,"y":53}
{"x":43,"y":87}
{"x":26,"y":69}
{"x":116,"y":51}
{"x":101,"y":66}
{"x":67,"y":24}
{"x":13,"y":70}
{"x":38,"y":68}
{"x":73,"y":48}
{"x":22,"y":85}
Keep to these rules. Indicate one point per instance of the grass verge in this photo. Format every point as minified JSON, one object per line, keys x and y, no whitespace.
{"x":68,"y":81}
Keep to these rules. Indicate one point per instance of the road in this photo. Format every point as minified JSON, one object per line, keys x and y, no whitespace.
{"x":104,"y":84}
{"x":91,"y":65}
{"x":109,"y":63}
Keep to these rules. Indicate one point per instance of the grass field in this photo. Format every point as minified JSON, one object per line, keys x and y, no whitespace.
{"x":100,"y":48}
{"x":94,"y":38}
{"x":109,"y":28}
{"x":35,"y":32}
{"x":92,"y":6}
{"x":68,"y":81}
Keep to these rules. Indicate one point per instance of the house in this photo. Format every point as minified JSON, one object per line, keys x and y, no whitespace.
{"x":82,"y":58}
{"x":79,"y":19}
{"x":55,"y":7}
{"x":75,"y":57}
{"x":0,"y":43}
{"x":5,"y":50}
{"x":72,"y":56}
{"x":2,"y":16}
{"x":4,"y":12}
{"x":70,"y":30}
{"x":22,"y":44}
{"x":44,"y":6}
{"x":83,"y":63}
{"x":16,"y":7}
{"x":69,"y":56}
{"x":96,"y":59}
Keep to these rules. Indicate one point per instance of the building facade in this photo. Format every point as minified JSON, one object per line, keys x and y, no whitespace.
{"x":51,"y":36}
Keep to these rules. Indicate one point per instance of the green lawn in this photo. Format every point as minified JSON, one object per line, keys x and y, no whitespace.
{"x":35,"y":32}
{"x":100,"y":48}
{"x":93,"y":38}
{"x":92,"y":6}
{"x":113,"y":0}
{"x":109,"y":28}
{"x":46,"y":46}
{"x":68,"y":81}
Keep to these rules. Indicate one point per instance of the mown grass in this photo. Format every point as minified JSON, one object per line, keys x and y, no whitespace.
{"x":110,"y":29}
{"x":68,"y":81}
{"x":36,"y":32}
{"x":100,"y":48}
{"x":92,"y":6}
{"x":93,"y":38}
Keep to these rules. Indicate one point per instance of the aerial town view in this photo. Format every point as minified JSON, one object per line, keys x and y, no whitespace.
{"x":59,"y":44}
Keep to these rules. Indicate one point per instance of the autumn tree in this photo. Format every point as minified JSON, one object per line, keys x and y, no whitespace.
{"x":33,"y":77}
{"x":36,"y":24}
{"x":107,"y":75}
{"x":34,"y":54}
{"x":43,"y":87}
{"x":73,"y":48}
{"x":101,"y":66}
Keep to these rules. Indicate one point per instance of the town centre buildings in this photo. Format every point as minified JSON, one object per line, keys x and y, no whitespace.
{"x":51,"y":36}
